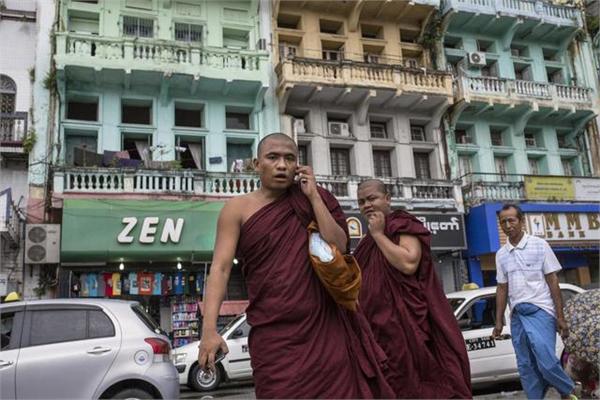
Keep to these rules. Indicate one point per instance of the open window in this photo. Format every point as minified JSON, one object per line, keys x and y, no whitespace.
{"x":235,"y":39}
{"x":134,"y":111}
{"x":237,"y":118}
{"x":189,"y":115}
{"x":82,"y":108}
{"x":81,"y":148}
{"x":331,"y":26}
{"x":138,"y":146}
{"x":288,"y":21}
{"x":190,"y":152}
{"x":239,"y":156}
{"x":138,"y":27}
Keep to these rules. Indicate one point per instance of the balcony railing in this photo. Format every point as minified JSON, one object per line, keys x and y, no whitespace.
{"x":13,"y":128}
{"x":550,"y":13}
{"x":150,"y":54}
{"x":350,"y":73}
{"x":523,"y":90}
{"x":186,"y":182}
{"x":481,"y":187}
{"x":10,"y":223}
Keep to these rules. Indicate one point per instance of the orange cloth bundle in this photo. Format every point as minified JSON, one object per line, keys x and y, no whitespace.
{"x":341,"y":276}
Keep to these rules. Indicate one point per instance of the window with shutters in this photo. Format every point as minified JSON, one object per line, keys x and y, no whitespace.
{"x":188,"y":32}
{"x":382,"y":163}
{"x":422,"y":170}
{"x":138,"y":27}
{"x":340,"y":162}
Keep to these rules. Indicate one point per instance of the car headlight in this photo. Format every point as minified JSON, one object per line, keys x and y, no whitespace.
{"x":179,"y":358}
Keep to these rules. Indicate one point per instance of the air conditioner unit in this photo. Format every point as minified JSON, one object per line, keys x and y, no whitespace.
{"x":339,"y":129}
{"x":261,"y":44}
{"x":42,"y":243}
{"x":298,"y":126}
{"x":287,"y":50}
{"x":372,"y":58}
{"x":411,"y":63}
{"x":477,"y":59}
{"x":332,"y":55}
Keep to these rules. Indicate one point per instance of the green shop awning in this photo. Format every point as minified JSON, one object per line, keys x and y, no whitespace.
{"x":138,"y":230}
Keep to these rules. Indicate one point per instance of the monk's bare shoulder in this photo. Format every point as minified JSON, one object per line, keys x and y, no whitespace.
{"x":240,"y":208}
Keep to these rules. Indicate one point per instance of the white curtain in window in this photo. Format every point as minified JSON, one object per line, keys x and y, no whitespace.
{"x":196,"y":151}
{"x":143,"y":148}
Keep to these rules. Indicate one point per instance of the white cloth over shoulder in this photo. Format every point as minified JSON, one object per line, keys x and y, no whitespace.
{"x":320,"y":248}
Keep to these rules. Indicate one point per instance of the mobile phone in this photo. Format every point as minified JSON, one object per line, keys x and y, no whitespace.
{"x":219,"y":356}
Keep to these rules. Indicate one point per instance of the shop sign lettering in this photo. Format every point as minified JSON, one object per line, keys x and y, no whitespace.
{"x":171,"y":230}
{"x":565,"y":226}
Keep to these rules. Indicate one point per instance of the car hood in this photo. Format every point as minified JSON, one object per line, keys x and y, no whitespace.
{"x":187,"y":348}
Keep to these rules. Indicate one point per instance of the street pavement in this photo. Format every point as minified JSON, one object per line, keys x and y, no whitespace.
{"x":245,"y":390}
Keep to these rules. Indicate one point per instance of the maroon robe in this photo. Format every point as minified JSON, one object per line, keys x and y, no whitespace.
{"x":303,"y":345}
{"x":412,"y":320}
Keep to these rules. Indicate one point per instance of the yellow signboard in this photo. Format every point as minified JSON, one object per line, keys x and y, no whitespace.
{"x":549,"y":188}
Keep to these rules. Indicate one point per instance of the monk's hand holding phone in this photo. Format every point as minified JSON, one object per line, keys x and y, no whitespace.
{"x":308,"y":183}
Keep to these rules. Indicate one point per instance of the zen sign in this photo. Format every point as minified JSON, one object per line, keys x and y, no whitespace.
{"x":170,"y":230}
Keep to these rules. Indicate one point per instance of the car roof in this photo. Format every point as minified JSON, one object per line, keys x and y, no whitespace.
{"x":492,"y":289}
{"x":79,"y":301}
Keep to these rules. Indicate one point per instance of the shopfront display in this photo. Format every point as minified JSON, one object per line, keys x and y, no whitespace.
{"x":572,"y":230}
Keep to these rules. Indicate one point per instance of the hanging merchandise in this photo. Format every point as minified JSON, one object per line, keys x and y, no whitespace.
{"x":186,"y":284}
{"x":145,"y":283}
{"x":108,"y":284}
{"x":192,"y":283}
{"x":178,"y":283}
{"x":85,"y":291}
{"x":171,"y":284}
{"x":133,"y":283}
{"x":200,"y":283}
{"x":92,"y":285}
{"x":165,"y":284}
{"x":116,"y":284}
{"x":101,"y":285}
{"x":157,"y":283}
{"x":125,"y":285}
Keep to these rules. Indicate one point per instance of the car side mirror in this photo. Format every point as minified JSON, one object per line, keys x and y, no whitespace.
{"x":464,"y":323}
{"x":238,"y":333}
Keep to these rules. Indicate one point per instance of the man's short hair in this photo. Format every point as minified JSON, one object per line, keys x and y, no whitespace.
{"x":378,"y":182}
{"x":508,"y":206}
{"x":276,"y":135}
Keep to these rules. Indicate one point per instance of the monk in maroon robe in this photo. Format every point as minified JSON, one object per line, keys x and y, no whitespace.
{"x":302,"y":344}
{"x":405,"y":305}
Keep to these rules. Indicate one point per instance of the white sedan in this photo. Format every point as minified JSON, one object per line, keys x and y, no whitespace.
{"x":491,"y":360}
{"x":235,"y":365}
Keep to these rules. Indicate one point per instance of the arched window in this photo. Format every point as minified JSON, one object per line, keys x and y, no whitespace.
{"x":8,"y":94}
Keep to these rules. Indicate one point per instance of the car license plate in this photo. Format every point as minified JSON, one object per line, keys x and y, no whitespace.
{"x":480,"y":343}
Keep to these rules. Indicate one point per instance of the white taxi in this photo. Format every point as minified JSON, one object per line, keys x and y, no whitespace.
{"x":492,"y":360}
{"x":235,"y":365}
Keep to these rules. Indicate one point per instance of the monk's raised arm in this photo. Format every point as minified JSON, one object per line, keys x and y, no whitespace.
{"x":329,"y":229}
{"x":228,"y":233}
{"x":404,"y":256}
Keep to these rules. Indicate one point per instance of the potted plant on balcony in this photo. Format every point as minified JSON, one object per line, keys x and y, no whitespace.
{"x":29,"y":141}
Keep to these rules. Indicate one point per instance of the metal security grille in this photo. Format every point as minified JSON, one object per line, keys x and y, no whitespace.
{"x":140,"y":27}
{"x":302,"y":155}
{"x":8,"y":92}
{"x":188,"y":32}
{"x":340,"y":162}
{"x":382,"y":163}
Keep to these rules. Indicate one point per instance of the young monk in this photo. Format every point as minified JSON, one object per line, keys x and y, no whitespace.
{"x":404,"y":302}
{"x":303,"y":345}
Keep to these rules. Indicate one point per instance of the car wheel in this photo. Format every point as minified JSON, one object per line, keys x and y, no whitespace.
{"x":203,"y":381}
{"x":133,"y":393}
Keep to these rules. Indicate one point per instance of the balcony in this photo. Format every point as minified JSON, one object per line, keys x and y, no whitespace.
{"x":170,"y":57}
{"x":373,"y":76}
{"x":113,"y":181}
{"x":10,"y":222}
{"x":542,"y":11}
{"x":13,"y":129}
{"x":511,"y":91}
{"x":481,"y":187}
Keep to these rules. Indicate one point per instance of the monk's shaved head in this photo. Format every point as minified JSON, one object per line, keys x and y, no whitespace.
{"x":375,"y":182}
{"x":275,"y":136}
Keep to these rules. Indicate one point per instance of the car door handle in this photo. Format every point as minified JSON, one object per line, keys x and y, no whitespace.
{"x":99,"y":350}
{"x":5,"y":363}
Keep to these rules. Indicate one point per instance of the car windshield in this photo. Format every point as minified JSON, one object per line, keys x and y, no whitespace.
{"x":455,"y":302}
{"x":230,"y":324}
{"x":147,"y":319}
